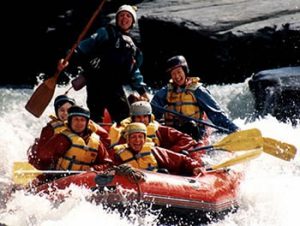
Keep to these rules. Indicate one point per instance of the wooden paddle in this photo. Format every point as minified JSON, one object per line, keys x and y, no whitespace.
{"x":238,"y":141}
{"x":44,"y":93}
{"x":238,"y":159}
{"x":24,"y":172}
{"x":279,"y":149}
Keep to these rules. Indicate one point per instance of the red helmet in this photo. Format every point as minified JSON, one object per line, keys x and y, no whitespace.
{"x":177,"y":61}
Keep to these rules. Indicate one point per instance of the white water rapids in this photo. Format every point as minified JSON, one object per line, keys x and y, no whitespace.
{"x":269,"y":194}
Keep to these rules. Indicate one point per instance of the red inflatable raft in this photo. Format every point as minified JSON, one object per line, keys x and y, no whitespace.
{"x":214,"y":193}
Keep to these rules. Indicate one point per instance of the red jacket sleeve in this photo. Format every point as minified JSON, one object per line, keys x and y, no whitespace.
{"x":46,"y":134}
{"x":49,"y":153}
{"x":174,"y":140}
{"x":101,"y":132}
{"x":103,"y":160}
{"x":175,"y":163}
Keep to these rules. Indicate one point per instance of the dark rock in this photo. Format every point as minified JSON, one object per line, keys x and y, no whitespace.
{"x":39,"y":34}
{"x":277,"y":92}
{"x":224,"y":41}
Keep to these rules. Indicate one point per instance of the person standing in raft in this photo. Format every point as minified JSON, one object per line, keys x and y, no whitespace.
{"x":111,"y":56}
{"x":75,"y":148}
{"x":140,"y":154}
{"x":162,"y":136}
{"x":187,"y":96}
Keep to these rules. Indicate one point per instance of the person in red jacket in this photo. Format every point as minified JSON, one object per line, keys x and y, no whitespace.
{"x":145,"y":155}
{"x":76,"y":148}
{"x":56,"y":125}
{"x":163,"y":136}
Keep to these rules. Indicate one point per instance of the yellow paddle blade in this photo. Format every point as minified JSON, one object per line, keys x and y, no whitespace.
{"x":241,"y":140}
{"x":238,"y":159}
{"x":279,"y":149}
{"x":23,"y":173}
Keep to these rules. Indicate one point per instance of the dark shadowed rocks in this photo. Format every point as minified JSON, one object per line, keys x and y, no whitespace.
{"x":224,"y":41}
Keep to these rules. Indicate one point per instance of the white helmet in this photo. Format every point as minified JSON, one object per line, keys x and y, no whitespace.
{"x":130,"y":9}
{"x":140,"y":108}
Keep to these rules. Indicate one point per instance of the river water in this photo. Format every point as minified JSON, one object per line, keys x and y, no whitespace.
{"x":269,"y":193}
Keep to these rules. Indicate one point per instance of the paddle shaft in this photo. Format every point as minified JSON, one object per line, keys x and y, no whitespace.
{"x":201,"y":148}
{"x":190,"y":118}
{"x":48,"y":172}
{"x":44,"y":93}
{"x":236,"y":160}
{"x":86,"y":28}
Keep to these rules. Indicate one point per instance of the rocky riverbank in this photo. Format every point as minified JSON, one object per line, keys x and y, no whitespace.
{"x":224,"y":41}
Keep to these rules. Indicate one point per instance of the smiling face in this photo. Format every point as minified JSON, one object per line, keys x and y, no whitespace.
{"x":136,"y":141}
{"x":124,"y":21}
{"x":178,"y":76}
{"x":62,"y":112}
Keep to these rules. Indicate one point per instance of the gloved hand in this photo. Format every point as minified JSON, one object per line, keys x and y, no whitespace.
{"x":62,"y":64}
{"x":133,"y":174}
{"x":79,"y":82}
{"x":133,"y":98}
{"x":93,"y":126}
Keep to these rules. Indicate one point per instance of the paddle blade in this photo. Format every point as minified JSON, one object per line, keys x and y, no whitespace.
{"x":239,"y":159}
{"x":279,"y":149}
{"x":241,"y":140}
{"x":41,"y":97}
{"x":21,"y":178}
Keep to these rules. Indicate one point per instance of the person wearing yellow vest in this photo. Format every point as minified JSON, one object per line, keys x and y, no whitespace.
{"x":145,"y":155}
{"x":77,"y":147}
{"x":56,"y":125}
{"x":162,"y":136}
{"x":187,"y":96}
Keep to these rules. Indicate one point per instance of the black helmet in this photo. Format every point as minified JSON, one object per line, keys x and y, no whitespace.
{"x":61,"y":100}
{"x":177,"y":61}
{"x":78,"y":111}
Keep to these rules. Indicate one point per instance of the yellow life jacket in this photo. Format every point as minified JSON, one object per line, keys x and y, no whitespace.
{"x":57,"y":125}
{"x":183,"y":101}
{"x":142,"y":160}
{"x":80,"y":155}
{"x":151,"y":132}
{"x":115,"y":132}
